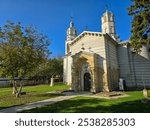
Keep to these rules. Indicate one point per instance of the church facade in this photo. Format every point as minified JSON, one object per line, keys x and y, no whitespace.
{"x":95,"y":61}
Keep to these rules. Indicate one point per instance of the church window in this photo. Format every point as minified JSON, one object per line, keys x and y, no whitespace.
{"x":111,"y":18}
{"x":68,"y":48}
{"x":104,"y":18}
{"x":111,"y":29}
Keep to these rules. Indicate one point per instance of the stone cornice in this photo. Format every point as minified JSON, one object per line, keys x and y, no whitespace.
{"x":84,"y":52}
{"x":85,"y":33}
{"x":110,"y":38}
{"x":124,"y":43}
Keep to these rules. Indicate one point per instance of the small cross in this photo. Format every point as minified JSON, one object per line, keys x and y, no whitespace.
{"x":89,"y":48}
{"x":83,"y":46}
{"x":71,"y":18}
{"x":106,"y":6}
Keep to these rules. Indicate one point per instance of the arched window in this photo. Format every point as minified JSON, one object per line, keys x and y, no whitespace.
{"x":68,"y":48}
{"x":111,"y":29}
{"x":111,"y":18}
{"x":104,"y":18}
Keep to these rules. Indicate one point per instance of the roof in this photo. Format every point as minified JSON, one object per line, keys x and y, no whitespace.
{"x":124,"y":42}
{"x":108,"y":12}
{"x":90,"y":33}
{"x":86,"y":33}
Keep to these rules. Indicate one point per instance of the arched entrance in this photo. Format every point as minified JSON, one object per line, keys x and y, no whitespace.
{"x":87,"y":82}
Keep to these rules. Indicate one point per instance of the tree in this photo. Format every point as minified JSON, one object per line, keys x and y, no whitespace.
{"x":56,"y":67}
{"x":140,"y":11}
{"x":22,"y":49}
{"x":50,"y":68}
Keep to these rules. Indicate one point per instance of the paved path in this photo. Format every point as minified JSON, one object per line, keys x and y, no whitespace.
{"x":67,"y":96}
{"x":35,"y":104}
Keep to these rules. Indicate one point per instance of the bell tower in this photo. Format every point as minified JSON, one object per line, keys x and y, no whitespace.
{"x":108,"y":24}
{"x":71,"y":34}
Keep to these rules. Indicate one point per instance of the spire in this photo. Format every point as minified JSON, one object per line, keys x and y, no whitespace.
{"x":71,"y":22}
{"x":106,"y":6}
{"x":71,"y":31}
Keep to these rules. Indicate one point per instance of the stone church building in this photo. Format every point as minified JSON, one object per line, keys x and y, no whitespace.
{"x":96,"y":61}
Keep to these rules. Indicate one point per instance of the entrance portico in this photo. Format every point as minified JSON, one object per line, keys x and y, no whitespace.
{"x":84,"y":72}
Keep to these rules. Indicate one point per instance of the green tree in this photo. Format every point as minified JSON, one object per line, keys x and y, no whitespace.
{"x":56,"y":67}
{"x":22,"y":49}
{"x":140,"y":10}
{"x":50,"y":68}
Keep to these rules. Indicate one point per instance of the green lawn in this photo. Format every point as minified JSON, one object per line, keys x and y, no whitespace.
{"x":131,"y":104}
{"x":34,"y":93}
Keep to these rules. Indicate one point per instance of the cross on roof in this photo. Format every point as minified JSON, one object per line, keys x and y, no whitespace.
{"x":71,"y":18}
{"x":106,"y":6}
{"x":83,"y":46}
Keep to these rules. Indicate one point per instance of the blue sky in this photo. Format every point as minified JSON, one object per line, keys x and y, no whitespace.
{"x":52,"y":17}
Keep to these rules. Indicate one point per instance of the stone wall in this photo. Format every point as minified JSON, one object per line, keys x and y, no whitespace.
{"x":4,"y":82}
{"x":67,"y":77}
{"x":91,"y":42}
{"x":112,"y":62}
{"x":134,"y":68}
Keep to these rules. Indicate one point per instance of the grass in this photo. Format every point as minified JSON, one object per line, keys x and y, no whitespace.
{"x":130,"y":104}
{"x":34,"y":93}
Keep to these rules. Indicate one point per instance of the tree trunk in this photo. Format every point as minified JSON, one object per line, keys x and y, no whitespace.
{"x":20,"y":89}
{"x":145,"y":93}
{"x":14,"y":87}
{"x":52,"y":81}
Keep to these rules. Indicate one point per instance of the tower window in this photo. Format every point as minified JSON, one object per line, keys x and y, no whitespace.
{"x":111,"y":29}
{"x":68,"y":48}
{"x":111,"y":18}
{"x":104,"y":18}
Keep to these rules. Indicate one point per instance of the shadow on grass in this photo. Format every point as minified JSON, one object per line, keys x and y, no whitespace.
{"x":94,"y":106}
{"x":51,"y":95}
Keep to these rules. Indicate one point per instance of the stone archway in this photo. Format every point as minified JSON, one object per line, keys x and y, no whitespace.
{"x":87,"y":82}
{"x":86,"y":62}
{"x":83,"y":63}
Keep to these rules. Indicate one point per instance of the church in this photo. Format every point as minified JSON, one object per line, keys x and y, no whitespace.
{"x":97,"y":61}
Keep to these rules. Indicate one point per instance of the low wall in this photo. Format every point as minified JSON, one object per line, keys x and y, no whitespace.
{"x":7,"y":83}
